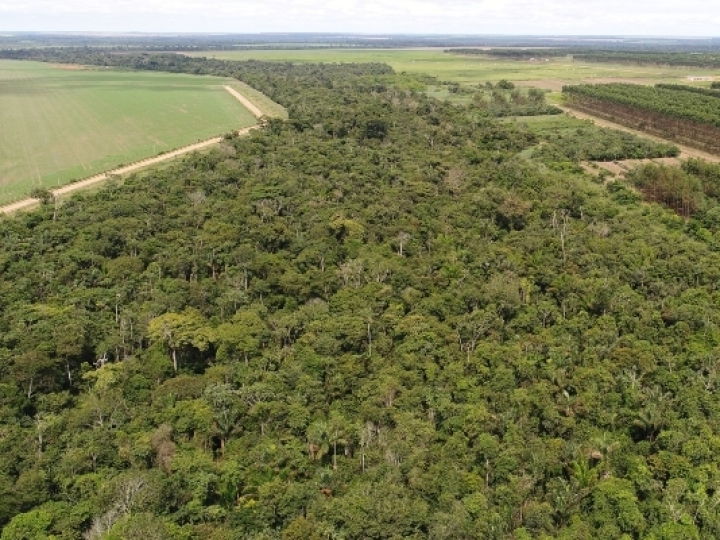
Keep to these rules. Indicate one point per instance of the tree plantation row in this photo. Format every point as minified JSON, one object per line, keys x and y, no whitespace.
{"x":386,"y":317}
{"x":714,"y":92}
{"x":686,"y":117}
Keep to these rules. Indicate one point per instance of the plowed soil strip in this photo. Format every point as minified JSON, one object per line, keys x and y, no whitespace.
{"x":91,"y":181}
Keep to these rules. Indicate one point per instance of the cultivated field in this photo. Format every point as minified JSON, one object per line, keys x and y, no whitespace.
{"x":63,"y":123}
{"x":476,"y":69}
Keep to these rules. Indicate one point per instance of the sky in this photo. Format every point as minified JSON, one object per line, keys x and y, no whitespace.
{"x":693,"y":18}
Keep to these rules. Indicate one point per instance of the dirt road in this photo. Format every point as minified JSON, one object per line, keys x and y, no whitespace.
{"x":685,"y":151}
{"x":134,"y":167}
{"x":249,"y":105}
{"x":87,"y":182}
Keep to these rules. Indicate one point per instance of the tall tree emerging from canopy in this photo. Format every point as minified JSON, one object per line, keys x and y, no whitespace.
{"x":181,"y":332}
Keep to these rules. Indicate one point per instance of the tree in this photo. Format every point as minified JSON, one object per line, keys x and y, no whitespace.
{"x":34,"y":525}
{"x":181,"y":331}
{"x":224,"y":401}
{"x":243,"y":334}
{"x":44,"y":195}
{"x":319,"y":439}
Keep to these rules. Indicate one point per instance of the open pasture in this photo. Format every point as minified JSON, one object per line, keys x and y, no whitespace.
{"x":467,"y":69}
{"x":63,"y":123}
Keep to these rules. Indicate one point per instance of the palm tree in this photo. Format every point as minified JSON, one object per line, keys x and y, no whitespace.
{"x":337,"y":434}
{"x":318,"y":436}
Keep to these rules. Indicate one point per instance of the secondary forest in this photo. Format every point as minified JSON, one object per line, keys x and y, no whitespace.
{"x":383,"y":318}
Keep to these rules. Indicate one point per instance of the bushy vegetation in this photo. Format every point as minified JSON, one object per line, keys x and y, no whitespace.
{"x":692,"y":189}
{"x":591,"y":143}
{"x":504,"y":99}
{"x":375,"y":320}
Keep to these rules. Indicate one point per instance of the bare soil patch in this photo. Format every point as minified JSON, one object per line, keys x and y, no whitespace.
{"x":556,"y":85}
{"x":621,"y":167}
{"x":669,"y":161}
{"x":249,"y":105}
{"x":546,"y":84}
{"x":615,"y":168}
{"x":70,"y":67}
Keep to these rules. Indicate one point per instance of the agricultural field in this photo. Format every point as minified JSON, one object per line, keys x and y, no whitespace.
{"x":474,"y":69}
{"x":63,"y":123}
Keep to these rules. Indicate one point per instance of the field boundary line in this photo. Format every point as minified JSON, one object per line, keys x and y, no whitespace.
{"x":685,"y":151}
{"x":249,"y":105}
{"x":96,"y":179}
{"x":77,"y":185}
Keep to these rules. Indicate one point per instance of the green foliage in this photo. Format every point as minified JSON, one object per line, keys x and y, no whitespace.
{"x":687,"y":117}
{"x":696,"y":107}
{"x":691,"y":89}
{"x":504,"y":100}
{"x":591,"y":143}
{"x":670,"y":186}
{"x":423,"y":333}
{"x":644,"y":58}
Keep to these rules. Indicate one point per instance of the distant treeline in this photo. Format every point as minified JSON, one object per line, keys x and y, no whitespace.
{"x":689,"y":59}
{"x":705,"y":58}
{"x":187,"y":42}
{"x":513,"y":54}
{"x":254,"y":73}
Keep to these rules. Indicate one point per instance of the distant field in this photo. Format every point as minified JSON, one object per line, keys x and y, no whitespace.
{"x":474,"y":69}
{"x":59,"y":124}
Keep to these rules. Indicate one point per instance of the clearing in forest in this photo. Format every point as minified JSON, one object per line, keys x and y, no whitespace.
{"x":59,"y":125}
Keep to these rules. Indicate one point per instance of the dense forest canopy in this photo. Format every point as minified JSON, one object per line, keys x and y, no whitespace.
{"x":380,"y":319}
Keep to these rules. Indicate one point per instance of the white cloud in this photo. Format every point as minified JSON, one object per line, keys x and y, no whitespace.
{"x":648,"y":17}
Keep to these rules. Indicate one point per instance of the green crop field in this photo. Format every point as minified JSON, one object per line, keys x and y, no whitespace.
{"x":475,"y":69}
{"x":59,"y":124}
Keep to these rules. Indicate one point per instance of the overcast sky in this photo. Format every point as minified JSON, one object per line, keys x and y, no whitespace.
{"x":574,"y":17}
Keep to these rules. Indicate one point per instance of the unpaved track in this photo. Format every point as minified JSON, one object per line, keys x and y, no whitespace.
{"x":87,"y":182}
{"x":685,"y":151}
{"x":249,"y":105}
